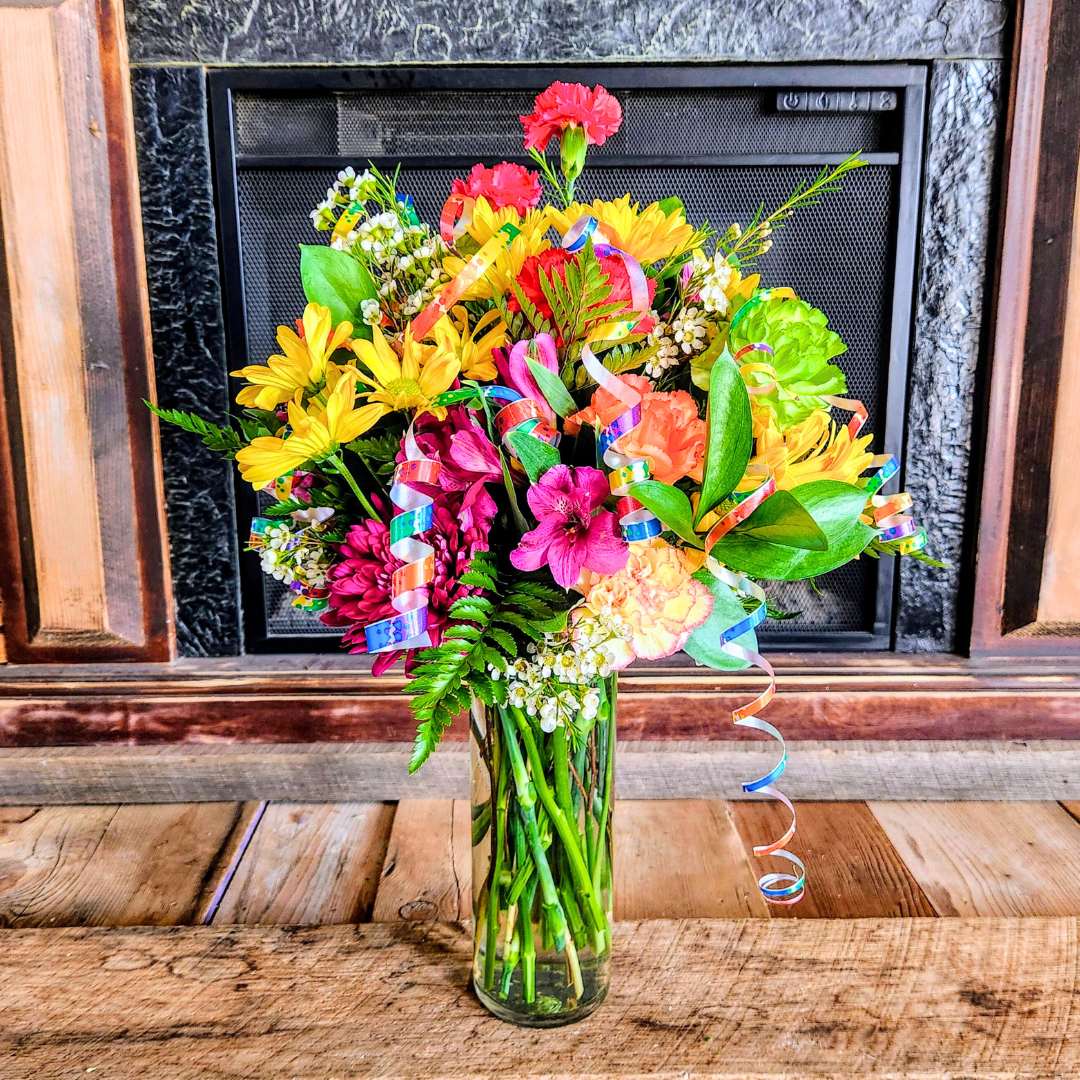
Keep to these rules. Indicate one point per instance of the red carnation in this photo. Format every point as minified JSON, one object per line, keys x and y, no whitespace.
{"x":360,"y":583}
{"x":504,"y":185}
{"x":564,"y":105}
{"x":552,"y":262}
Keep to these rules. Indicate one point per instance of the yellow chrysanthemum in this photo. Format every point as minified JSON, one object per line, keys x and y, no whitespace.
{"x":472,"y":347}
{"x":816,"y":449}
{"x":313,"y":435}
{"x":302,"y":366}
{"x":423,"y":372}
{"x":648,"y":235}
{"x":531,"y":241}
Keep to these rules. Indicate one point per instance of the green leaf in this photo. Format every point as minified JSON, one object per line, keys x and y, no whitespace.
{"x":339,"y":282}
{"x":551,"y":386}
{"x":782,"y":519}
{"x":536,"y":456}
{"x":729,"y":436}
{"x":671,"y":506}
{"x":670,"y":205}
{"x":704,"y":642}
{"x":835,"y":507}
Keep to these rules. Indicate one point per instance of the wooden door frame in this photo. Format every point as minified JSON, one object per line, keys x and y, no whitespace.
{"x":1032,"y":282}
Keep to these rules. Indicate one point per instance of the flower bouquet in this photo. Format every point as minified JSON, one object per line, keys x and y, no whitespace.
{"x":533,"y":445}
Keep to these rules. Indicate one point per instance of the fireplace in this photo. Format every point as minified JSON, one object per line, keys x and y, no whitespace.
{"x":728,"y":138}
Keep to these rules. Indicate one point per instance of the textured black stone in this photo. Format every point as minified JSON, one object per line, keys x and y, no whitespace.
{"x":966,"y":103}
{"x":345,"y":32}
{"x":189,"y":351}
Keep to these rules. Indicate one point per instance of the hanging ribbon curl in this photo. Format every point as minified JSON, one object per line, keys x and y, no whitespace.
{"x":416,"y":513}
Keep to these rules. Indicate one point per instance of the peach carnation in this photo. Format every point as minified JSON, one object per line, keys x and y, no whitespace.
{"x":655,"y":595}
{"x":670,"y":434}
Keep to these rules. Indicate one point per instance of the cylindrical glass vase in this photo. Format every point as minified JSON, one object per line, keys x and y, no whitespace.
{"x":542,"y":804}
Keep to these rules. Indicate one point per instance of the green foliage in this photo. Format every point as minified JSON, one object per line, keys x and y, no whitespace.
{"x":535,"y":455}
{"x":551,"y":386}
{"x":379,"y":452}
{"x":339,"y":282}
{"x":876,"y":548}
{"x":487,"y":632}
{"x":704,"y":642}
{"x":835,"y":507}
{"x":223,"y":441}
{"x":671,"y":506}
{"x":729,"y":437}
{"x":782,"y":519}
{"x":802,"y":347}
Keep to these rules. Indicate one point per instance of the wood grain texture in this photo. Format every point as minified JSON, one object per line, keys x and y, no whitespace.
{"x":427,"y":873}
{"x":681,"y":860}
{"x":375,"y":772}
{"x":988,"y":858}
{"x":852,"y":869}
{"x":80,"y":461}
{"x":873,"y":999}
{"x":310,"y":865}
{"x":108,"y":865}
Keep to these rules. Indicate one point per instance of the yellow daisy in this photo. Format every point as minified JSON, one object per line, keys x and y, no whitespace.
{"x":303,"y":365}
{"x":485,"y":222}
{"x":423,"y":372}
{"x":816,"y":449}
{"x":648,"y":235}
{"x":313,"y":436}
{"x":472,"y":348}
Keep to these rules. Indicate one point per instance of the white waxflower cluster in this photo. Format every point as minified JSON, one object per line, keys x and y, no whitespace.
{"x":402,"y":254}
{"x":290,"y":555}
{"x":557,"y":682}
{"x":714,"y":277}
{"x":667,"y":352}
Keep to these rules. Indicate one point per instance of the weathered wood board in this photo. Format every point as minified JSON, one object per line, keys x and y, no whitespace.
{"x":877,"y":999}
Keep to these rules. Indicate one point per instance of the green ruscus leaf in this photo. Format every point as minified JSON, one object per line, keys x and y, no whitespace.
{"x":729,"y":437}
{"x":337,"y":281}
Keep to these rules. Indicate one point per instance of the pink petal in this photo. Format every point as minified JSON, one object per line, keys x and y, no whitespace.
{"x":607,"y":551}
{"x":473,"y":452}
{"x":551,"y":490}
{"x":592,"y":486}
{"x":544,"y":350}
{"x":532,"y":552}
{"x":566,"y":556}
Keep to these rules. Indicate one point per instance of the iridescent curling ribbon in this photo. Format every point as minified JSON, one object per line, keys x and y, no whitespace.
{"x":776,"y":888}
{"x":408,"y":629}
{"x":518,"y":413}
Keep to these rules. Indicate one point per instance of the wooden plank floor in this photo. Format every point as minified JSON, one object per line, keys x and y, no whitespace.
{"x":298,"y":864}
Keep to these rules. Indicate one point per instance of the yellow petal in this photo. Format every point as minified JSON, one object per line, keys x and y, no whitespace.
{"x":438,"y":374}
{"x":410,"y":358}
{"x":378,"y":356}
{"x":359,"y":420}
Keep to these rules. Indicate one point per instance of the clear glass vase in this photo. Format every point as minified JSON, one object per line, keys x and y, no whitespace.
{"x":542,"y":805}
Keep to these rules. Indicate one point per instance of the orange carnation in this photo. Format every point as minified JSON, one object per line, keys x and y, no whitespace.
{"x":655,"y":595}
{"x":670,"y":434}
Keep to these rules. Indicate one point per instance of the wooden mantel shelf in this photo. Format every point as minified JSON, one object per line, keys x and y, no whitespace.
{"x":783,"y":999}
{"x":327,"y":698}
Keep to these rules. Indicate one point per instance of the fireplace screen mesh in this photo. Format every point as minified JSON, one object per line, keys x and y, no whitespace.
{"x":837,"y":255}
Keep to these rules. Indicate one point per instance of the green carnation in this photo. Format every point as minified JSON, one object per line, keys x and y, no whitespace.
{"x":802,"y":345}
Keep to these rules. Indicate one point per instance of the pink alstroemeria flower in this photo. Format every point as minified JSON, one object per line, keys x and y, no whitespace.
{"x":570,"y":534}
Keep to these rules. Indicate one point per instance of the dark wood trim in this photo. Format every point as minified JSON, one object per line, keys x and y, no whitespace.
{"x":248,"y":701}
{"x":1031,"y":281}
{"x":1051,"y":244}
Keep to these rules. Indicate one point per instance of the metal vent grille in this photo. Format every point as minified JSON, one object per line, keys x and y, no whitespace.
{"x":672,"y":124}
{"x":815,"y":253}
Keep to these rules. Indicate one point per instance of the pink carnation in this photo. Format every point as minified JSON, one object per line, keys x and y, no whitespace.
{"x":564,"y":105}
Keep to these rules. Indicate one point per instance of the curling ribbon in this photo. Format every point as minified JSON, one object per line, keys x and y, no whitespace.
{"x":587,"y":227}
{"x":408,"y":629}
{"x":518,"y":414}
{"x":472,"y":271}
{"x":635,"y":521}
{"x":776,"y":888}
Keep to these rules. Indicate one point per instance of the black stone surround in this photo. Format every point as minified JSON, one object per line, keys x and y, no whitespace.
{"x":963,"y":41}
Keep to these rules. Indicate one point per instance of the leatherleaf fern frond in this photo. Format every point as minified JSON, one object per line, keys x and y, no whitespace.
{"x":477,"y":648}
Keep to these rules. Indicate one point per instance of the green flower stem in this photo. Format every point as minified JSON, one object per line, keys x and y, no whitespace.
{"x":573,"y":915}
{"x":567,"y":833}
{"x":528,"y":945}
{"x":511,"y":954}
{"x":560,"y":758}
{"x":342,"y":469}
{"x":607,"y":717}
{"x":526,"y":870}
{"x":526,"y":795}
{"x":498,"y":840}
